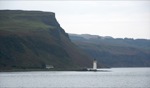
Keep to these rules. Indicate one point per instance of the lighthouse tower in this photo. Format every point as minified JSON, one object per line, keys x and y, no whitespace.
{"x":95,"y":65}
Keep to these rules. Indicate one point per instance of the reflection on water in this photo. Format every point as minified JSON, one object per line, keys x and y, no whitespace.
{"x":117,"y":77}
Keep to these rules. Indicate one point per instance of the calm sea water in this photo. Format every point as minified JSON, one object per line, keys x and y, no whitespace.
{"x":116,"y":78}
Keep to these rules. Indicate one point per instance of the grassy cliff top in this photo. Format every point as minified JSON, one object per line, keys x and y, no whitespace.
{"x":26,"y":20}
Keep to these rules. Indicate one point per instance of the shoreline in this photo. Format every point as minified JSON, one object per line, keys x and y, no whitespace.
{"x":58,"y":69}
{"x":80,"y":70}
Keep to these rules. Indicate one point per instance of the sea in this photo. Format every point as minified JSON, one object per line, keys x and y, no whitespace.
{"x":104,"y":78}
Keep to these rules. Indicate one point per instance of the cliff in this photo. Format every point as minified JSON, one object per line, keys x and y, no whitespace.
{"x":34,"y":39}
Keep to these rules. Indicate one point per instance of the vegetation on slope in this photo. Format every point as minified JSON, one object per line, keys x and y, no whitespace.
{"x":115,"y":52}
{"x":34,"y":39}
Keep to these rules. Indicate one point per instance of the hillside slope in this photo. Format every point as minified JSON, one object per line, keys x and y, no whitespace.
{"x":34,"y":39}
{"x":115,"y":52}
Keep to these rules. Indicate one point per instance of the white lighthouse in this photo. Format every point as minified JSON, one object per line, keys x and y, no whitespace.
{"x":94,"y":65}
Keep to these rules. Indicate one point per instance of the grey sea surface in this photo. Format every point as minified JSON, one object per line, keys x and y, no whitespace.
{"x":112,"y":78}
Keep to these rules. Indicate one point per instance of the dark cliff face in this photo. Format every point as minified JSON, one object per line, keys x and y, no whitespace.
{"x":33,"y":39}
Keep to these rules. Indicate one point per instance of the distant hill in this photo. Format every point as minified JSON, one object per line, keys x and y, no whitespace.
{"x":113,"y":52}
{"x":34,"y":39}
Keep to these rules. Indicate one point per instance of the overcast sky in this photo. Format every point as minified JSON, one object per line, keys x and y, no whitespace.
{"x":118,"y":19}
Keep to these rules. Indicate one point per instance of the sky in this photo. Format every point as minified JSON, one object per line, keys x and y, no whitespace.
{"x":118,"y":19}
